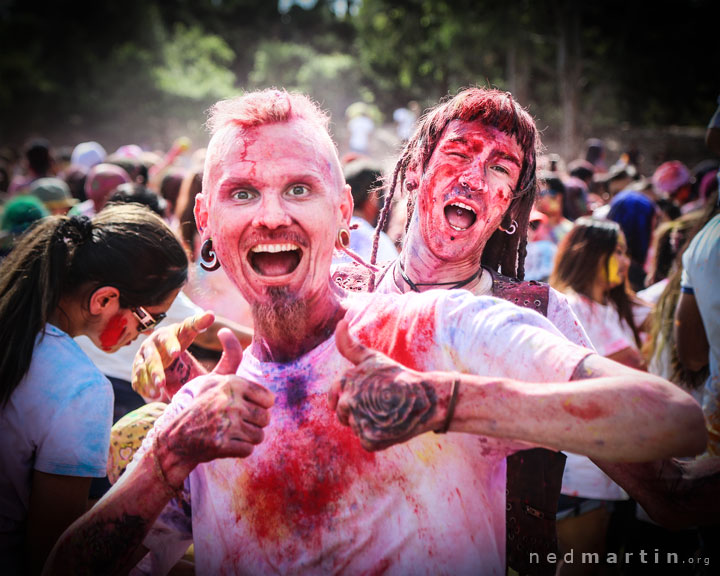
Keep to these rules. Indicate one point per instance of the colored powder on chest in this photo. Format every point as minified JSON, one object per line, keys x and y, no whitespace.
{"x":296,"y":395}
{"x":303,"y":475}
{"x":405,"y":339}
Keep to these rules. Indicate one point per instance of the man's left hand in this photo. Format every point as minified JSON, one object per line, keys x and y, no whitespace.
{"x":383,"y":402}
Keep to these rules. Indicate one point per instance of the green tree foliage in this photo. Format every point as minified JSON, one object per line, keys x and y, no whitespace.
{"x":333,"y":79}
{"x":194,"y":65}
{"x":141,"y":70}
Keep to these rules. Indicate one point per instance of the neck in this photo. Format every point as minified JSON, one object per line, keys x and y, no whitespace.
{"x":287,"y":329}
{"x":598,"y":293}
{"x":427,"y":271}
{"x":62,"y":317}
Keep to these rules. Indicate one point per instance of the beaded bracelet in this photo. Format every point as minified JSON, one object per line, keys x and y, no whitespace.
{"x":169,"y":490}
{"x":451,"y":407}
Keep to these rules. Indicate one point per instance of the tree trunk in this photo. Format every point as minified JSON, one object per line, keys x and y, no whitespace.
{"x":518,"y":72}
{"x":569,"y":68}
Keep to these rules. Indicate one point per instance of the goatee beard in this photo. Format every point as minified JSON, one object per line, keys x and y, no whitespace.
{"x":282,"y":319}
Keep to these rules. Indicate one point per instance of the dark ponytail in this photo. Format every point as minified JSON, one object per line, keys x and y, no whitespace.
{"x":125,"y":246}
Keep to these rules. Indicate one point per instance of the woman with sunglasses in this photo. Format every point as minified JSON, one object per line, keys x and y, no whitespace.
{"x":109,"y":279}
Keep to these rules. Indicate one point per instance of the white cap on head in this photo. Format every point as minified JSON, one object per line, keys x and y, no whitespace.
{"x":88,"y":154}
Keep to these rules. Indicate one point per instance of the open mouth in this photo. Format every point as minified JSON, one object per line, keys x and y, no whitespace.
{"x":275,"y":259}
{"x":460,"y":216}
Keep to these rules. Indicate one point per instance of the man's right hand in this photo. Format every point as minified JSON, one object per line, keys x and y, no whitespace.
{"x":163,"y":365}
{"x":225,"y":419}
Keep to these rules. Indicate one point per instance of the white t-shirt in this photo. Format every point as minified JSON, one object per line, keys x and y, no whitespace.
{"x":310,"y":500}
{"x":701,"y":273}
{"x":119,"y":364}
{"x":540,"y":259}
{"x":360,"y":128}
{"x":609,"y":335}
{"x":361,"y":242}
{"x":581,"y":476}
{"x":559,"y":312}
{"x":652,"y":293}
{"x":405,"y":120}
{"x":56,"y":421}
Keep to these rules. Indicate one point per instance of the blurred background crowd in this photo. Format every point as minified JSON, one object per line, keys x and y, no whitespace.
{"x":104,"y":102}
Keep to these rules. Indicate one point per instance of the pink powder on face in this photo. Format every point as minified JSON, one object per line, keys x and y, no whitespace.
{"x":113,"y":331}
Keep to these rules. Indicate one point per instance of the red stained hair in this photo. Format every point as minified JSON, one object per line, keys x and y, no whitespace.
{"x":493,"y":108}
{"x":268,"y":106}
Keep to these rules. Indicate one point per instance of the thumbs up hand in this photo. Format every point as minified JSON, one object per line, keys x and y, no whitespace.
{"x":163,"y":365}
{"x":383,"y":402}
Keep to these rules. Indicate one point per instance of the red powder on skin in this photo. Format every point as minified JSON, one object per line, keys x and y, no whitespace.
{"x":406,"y":343}
{"x":113,"y":331}
{"x":381,"y":568}
{"x":590,"y":411}
{"x":305,"y":473}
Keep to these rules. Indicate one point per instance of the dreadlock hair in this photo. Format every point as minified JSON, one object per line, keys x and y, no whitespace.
{"x":494,"y":108}
{"x":124,"y":246}
{"x":577,"y":262}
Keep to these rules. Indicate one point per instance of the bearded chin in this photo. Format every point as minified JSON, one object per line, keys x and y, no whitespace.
{"x":283,"y":318}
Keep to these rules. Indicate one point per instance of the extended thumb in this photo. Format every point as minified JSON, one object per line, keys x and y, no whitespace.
{"x":232,"y":353}
{"x":348,"y":346}
{"x":191,"y":327}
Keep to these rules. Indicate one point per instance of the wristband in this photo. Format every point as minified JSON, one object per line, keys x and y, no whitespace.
{"x":169,"y":489}
{"x":451,"y":407}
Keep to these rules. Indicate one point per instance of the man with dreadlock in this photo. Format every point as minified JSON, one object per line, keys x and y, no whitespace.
{"x":470,"y":172}
{"x":312,"y":499}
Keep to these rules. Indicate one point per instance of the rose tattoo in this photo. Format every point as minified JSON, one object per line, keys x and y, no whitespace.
{"x":390,"y":411}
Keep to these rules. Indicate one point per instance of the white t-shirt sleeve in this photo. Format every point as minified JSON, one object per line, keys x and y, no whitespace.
{"x":77,"y":436}
{"x":493,"y":337}
{"x":561,"y":314}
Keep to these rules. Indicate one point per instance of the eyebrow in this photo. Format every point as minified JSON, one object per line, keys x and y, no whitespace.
{"x":457,"y":140}
{"x":502,"y":155}
{"x":510,"y":158}
{"x":232,"y":183}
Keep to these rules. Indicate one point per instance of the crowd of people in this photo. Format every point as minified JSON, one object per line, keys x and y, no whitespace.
{"x":488,"y":360}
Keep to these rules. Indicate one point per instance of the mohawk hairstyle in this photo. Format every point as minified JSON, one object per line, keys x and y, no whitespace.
{"x":267,"y":106}
{"x":494,"y":108}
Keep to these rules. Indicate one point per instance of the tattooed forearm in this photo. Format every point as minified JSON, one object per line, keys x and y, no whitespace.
{"x":390,"y":412}
{"x":102,"y":547}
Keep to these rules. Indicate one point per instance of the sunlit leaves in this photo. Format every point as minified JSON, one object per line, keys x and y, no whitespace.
{"x":195,"y":65}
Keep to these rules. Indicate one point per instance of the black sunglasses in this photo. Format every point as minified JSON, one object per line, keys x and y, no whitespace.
{"x":147,"y":321}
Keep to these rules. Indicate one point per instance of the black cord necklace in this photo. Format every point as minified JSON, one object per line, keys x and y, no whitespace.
{"x":453,"y":285}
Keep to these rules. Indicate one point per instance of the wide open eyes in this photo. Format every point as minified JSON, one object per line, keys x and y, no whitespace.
{"x":298,"y":191}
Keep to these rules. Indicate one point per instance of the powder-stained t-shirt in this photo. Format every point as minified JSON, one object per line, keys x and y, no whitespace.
{"x":609,"y":334}
{"x":56,"y":421}
{"x":311,"y":500}
{"x":559,"y":312}
{"x":701,"y":272}
{"x":607,"y":331}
